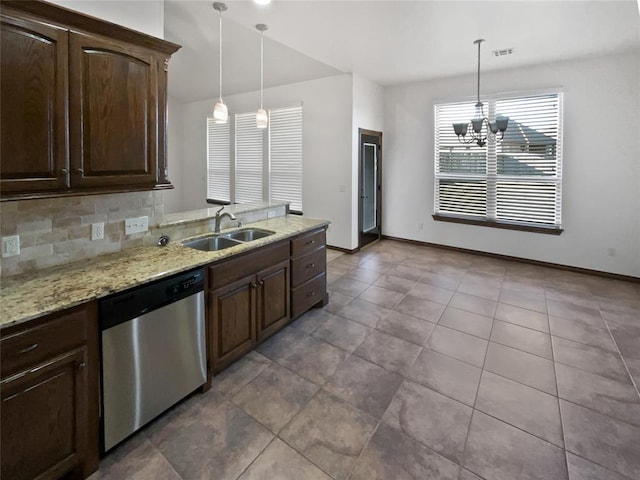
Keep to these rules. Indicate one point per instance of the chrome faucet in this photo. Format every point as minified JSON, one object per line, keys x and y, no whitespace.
{"x":220,"y":216}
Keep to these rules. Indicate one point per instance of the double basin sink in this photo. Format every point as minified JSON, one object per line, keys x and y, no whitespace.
{"x":220,"y":241}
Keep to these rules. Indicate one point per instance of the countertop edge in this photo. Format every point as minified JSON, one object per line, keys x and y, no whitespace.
{"x":204,"y":259}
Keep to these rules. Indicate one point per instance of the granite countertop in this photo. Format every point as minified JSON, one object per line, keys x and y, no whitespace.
{"x":28,"y":296}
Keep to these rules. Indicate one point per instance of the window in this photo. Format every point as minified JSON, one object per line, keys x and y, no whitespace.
{"x":513,"y":183}
{"x":262,"y":166}
{"x":285,"y":162}
{"x":218,"y":162}
{"x":249,"y":159}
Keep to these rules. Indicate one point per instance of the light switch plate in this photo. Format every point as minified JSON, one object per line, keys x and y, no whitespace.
{"x":10,"y":246}
{"x":136,"y":225}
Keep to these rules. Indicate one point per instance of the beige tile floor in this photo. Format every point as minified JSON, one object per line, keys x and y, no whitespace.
{"x":426,"y":364}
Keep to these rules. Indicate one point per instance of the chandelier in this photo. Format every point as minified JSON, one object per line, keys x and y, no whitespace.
{"x":481,"y":127}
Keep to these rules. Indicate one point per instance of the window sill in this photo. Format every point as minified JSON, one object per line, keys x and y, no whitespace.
{"x":495,"y":224}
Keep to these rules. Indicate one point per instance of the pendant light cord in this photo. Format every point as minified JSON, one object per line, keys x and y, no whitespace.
{"x":479,"y":71}
{"x":261,"y":67}
{"x":220,"y":54}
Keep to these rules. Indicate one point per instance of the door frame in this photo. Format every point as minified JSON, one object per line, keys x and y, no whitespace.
{"x":362,"y":241}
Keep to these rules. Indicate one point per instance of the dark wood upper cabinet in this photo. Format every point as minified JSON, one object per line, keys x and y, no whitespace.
{"x":114,"y":89}
{"x":83,"y":104}
{"x":34,"y":91}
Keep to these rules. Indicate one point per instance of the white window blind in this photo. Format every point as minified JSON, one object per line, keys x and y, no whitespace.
{"x":249,"y":159}
{"x":517,"y":180}
{"x":218,"y":161}
{"x":285,"y":156}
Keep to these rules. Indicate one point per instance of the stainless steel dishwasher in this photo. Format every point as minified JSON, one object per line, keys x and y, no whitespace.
{"x":153,"y":352}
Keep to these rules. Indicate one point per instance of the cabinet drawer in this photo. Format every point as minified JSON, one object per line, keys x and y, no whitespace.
{"x":227,"y":271}
{"x":308,"y":266}
{"x":308,"y":294}
{"x":28,"y":347}
{"x":307,"y":243}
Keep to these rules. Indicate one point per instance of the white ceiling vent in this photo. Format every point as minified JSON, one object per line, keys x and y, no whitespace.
{"x":502,"y":52}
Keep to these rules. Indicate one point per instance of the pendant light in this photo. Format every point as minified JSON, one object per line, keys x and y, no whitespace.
{"x":220,"y":112}
{"x":262,"y":119}
{"x":480,"y":122}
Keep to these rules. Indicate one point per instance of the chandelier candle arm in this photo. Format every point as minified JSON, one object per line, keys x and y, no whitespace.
{"x":220,"y":111}
{"x":478,"y":123}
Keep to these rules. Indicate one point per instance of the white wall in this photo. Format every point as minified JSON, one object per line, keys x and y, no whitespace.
{"x":327,"y":148}
{"x":173,"y":198}
{"x":368,"y":113}
{"x":146,"y":16}
{"x":601,"y":183}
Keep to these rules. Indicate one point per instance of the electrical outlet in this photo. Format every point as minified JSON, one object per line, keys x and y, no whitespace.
{"x":136,"y":225}
{"x":11,"y":246}
{"x":97,"y":231}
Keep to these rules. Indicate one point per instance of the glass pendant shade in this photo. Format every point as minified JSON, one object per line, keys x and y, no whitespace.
{"x":262,"y":119}
{"x":220,"y":112}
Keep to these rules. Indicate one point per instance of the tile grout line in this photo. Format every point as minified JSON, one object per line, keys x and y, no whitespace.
{"x":555,"y":374}
{"x":626,"y":367}
{"x":475,"y":400}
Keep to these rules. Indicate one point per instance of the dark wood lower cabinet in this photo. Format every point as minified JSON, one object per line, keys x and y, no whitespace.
{"x":44,"y":418}
{"x":49,"y":397}
{"x":274,"y":310}
{"x":232,"y":315}
{"x":248,"y":301}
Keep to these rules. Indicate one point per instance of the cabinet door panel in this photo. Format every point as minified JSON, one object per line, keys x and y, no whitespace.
{"x":273,"y":299}
{"x":232,"y":310}
{"x":43,"y":418}
{"x":114,"y":111}
{"x":34,"y":92}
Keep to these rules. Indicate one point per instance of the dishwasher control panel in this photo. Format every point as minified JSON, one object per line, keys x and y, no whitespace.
{"x":132,"y":303}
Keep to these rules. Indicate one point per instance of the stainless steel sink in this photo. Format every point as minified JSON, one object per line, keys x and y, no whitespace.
{"x":220,"y":241}
{"x":248,"y":234}
{"x":212,"y":243}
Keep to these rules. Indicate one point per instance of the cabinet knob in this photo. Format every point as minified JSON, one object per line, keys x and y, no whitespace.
{"x":261,"y":282}
{"x":80,"y":171}
{"x":253,"y":285}
{"x":310,"y":242}
{"x":28,"y":349}
{"x":81,"y":366}
{"x":311,"y":265}
{"x":311,"y":294}
{"x":65,"y":171}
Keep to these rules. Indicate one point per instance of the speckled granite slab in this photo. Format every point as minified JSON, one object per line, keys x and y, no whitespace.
{"x":28,"y":296}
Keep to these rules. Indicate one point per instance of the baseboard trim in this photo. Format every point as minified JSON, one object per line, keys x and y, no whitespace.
{"x":343,"y":250}
{"x":540,"y":263}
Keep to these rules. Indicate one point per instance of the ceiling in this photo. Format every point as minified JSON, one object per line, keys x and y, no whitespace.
{"x":388,"y":42}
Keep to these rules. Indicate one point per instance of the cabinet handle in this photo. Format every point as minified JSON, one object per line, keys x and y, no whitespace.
{"x":311,"y":294}
{"x":28,"y":349}
{"x":310,"y":242}
{"x":311,"y":265}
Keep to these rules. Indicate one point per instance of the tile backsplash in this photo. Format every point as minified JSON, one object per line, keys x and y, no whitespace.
{"x":56,"y":231}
